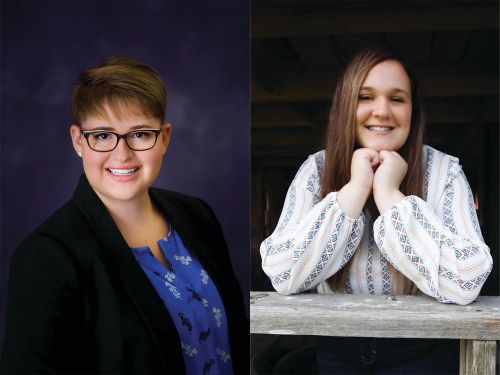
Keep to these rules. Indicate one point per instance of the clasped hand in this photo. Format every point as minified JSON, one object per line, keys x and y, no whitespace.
{"x":380,"y":174}
{"x":373,"y":173}
{"x":377,"y":172}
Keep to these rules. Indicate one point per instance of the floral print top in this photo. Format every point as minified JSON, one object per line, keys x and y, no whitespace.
{"x":194,"y":304}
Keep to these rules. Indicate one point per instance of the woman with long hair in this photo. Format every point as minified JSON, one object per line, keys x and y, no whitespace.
{"x":124,"y":278}
{"x":377,"y":212}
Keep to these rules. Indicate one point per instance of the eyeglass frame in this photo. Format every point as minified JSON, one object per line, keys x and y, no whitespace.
{"x":118,"y":136}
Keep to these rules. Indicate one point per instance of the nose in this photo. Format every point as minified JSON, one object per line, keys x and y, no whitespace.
{"x":122,"y":152}
{"x":381,"y":108}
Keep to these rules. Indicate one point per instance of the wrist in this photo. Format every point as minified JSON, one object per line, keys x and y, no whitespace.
{"x":387,"y":198}
{"x":360,"y":189}
{"x":352,"y":198}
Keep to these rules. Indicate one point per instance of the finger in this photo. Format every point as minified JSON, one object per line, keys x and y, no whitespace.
{"x":375,"y":160}
{"x":384,"y":155}
{"x":372,"y":154}
{"x":394,"y":153}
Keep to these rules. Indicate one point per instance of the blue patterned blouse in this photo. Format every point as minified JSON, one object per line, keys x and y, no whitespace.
{"x":194,"y":304}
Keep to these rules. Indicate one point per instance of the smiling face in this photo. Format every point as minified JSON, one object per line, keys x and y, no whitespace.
{"x":121,"y":175}
{"x":383,"y":114}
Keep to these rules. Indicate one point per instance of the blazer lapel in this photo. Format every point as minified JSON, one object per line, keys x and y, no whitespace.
{"x":123,"y":266}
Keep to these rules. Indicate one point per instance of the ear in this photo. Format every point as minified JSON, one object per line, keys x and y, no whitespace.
{"x":76,"y":138}
{"x":165,"y":136}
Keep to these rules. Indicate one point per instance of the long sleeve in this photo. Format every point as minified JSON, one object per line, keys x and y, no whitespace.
{"x":437,"y":243}
{"x":313,"y":238}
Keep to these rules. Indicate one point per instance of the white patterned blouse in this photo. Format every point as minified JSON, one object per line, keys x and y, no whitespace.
{"x":436,"y":242}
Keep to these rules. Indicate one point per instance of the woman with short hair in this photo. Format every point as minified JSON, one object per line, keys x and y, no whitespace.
{"x":125,"y":278}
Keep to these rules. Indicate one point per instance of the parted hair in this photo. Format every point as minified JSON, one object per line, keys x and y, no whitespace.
{"x":119,"y":82}
{"x":340,"y":142}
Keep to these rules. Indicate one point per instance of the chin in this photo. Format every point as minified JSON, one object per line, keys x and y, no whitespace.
{"x":382,"y":146}
{"x":123,"y":194}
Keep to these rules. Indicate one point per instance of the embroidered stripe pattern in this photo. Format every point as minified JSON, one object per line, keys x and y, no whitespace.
{"x":409,"y":252}
{"x":474,"y":283}
{"x":325,"y":257}
{"x":386,"y":277}
{"x":272,"y":250}
{"x":462,"y":254}
{"x":369,"y":262}
{"x":428,"y":167}
{"x":448,"y":198}
{"x":281,"y":277}
{"x":433,"y":232}
{"x":290,"y":209}
{"x":447,"y":209}
{"x":313,"y":183}
{"x":314,"y":229}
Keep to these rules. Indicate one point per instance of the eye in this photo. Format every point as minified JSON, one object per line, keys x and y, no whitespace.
{"x":397,"y":99}
{"x":142,"y":134}
{"x":101,"y":136}
{"x":364,"y":97}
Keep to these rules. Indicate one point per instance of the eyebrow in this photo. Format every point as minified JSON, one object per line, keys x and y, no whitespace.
{"x":395,"y":90}
{"x":136,"y":127}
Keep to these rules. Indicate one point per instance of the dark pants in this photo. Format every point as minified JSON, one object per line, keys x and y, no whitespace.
{"x":358,"y":355}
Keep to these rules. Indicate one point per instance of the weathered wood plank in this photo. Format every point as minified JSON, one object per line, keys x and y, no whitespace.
{"x":373,"y":316}
{"x":477,"y":357}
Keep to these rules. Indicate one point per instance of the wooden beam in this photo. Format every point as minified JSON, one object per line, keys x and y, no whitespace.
{"x":280,"y":115}
{"x":374,"y":20}
{"x":435,"y":81}
{"x":350,"y":315}
{"x":283,"y":136}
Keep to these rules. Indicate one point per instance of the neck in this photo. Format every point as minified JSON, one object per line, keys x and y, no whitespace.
{"x":125,"y":213}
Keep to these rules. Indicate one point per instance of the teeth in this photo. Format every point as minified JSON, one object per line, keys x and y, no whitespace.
{"x":122,"y":172}
{"x":379,"y":128}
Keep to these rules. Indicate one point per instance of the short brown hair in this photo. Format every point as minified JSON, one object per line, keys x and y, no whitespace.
{"x":118,"y":82}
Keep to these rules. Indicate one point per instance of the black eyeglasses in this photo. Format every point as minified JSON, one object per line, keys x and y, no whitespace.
{"x":105,"y":141}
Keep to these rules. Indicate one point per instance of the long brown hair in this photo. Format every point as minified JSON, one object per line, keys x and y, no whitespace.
{"x":340,"y":143}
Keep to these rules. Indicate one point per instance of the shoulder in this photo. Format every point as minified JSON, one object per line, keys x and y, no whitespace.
{"x":439,"y":162}
{"x":65,"y":223}
{"x":44,"y":255}
{"x":440,"y":172}
{"x":313,"y":165}
{"x":309,"y":175}
{"x":315,"y":161}
{"x":436,"y":155}
{"x":49,"y":241}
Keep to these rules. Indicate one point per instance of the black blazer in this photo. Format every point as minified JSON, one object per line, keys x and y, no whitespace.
{"x":78,"y":302}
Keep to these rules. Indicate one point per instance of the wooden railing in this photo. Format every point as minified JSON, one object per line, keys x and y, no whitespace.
{"x":477,"y":325}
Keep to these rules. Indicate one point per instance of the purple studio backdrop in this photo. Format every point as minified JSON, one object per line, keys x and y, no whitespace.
{"x":201,"y":50}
